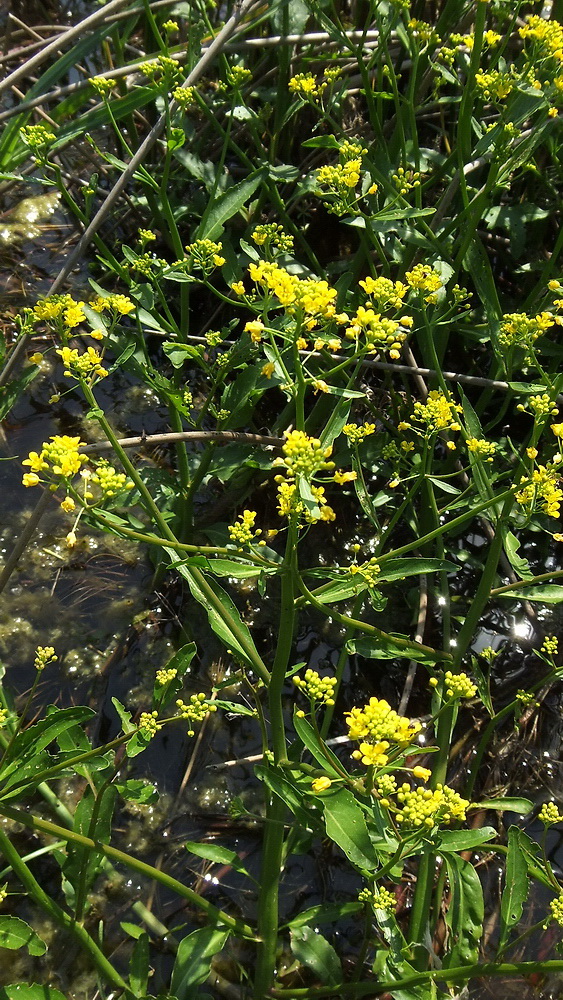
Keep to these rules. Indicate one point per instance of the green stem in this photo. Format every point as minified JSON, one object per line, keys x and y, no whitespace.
{"x":272,"y":854}
{"x":58,"y":915}
{"x":213,"y":913}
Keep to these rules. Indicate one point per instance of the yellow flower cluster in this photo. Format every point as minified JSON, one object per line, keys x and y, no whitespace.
{"x":61,"y":457}
{"x":102,"y":85}
{"x":378,"y":721}
{"x":380,"y":899}
{"x":205,"y":255}
{"x":369,"y":571}
{"x":290,"y":503}
{"x":387,"y":294}
{"x":304,"y":455}
{"x":519,"y":330}
{"x":556,"y":907}
{"x":272,"y":235}
{"x":316,"y":688}
{"x":195,"y":710}
{"x":165,"y":675}
{"x":424,"y":279}
{"x":243,"y":531}
{"x":405,"y":180}
{"x":148,"y":724}
{"x":163,"y":67}
{"x":313,"y":296}
{"x":237,"y":75}
{"x":77,"y":365}
{"x":110,"y":481}
{"x":60,"y":307}
{"x":36,"y":136}
{"x":544,"y":487}
{"x":339,"y":180}
{"x":549,"y":35}
{"x":185,"y":96}
{"x":380,"y":333}
{"x":120,"y":304}
{"x":386,"y":784}
{"x":356,"y":433}
{"x":459,"y":685}
{"x":43,"y":656}
{"x":550,"y":645}
{"x":480,"y":446}
{"x":541,"y":405}
{"x":438,"y":413}
{"x":494,"y":85}
{"x":304,"y":85}
{"x":549,"y":814}
{"x":426,"y":807}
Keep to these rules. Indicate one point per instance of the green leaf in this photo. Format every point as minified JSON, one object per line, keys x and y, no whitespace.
{"x":511,"y":545}
{"x":509,"y":804}
{"x":193,"y":960}
{"x":335,"y":423}
{"x":398,"y":569}
{"x":477,"y":264}
{"x":219,"y":855}
{"x":228,"y":205}
{"x":314,"y":951}
{"x":30,"y":991}
{"x":515,"y":888}
{"x":465,"y":913}
{"x":11,"y":392}
{"x":549,"y":593}
{"x":180,"y":662}
{"x":341,"y":590}
{"x":289,"y":792}
{"x":322,"y":754}
{"x":222,"y":624}
{"x":137,"y":790}
{"x":465,"y":840}
{"x":383,"y":648}
{"x":345,"y":826}
{"x":15,"y":933}
{"x":325,"y":913}
{"x":124,"y":716}
{"x":321,"y":142}
{"x":139,"y":965}
{"x":36,"y":738}
{"x":83,"y":864}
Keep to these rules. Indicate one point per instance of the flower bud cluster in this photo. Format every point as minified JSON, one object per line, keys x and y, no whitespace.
{"x":550,"y":645}
{"x":195,"y":710}
{"x":427,"y":807}
{"x":109,"y":481}
{"x":43,"y":656}
{"x":243,"y":531}
{"x":458,"y":685}
{"x":380,"y":899}
{"x":316,"y":688}
{"x":378,"y":721}
{"x":165,"y":675}
{"x":549,"y":814}
{"x":148,"y":724}
{"x":356,"y":433}
{"x":205,"y":255}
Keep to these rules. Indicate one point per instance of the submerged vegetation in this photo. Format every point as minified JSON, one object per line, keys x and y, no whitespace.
{"x":321,"y":242}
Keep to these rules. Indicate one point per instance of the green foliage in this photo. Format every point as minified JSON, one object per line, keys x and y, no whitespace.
{"x":282,"y":274}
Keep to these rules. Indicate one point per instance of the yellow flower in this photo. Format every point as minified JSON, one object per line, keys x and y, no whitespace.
{"x":320,"y":784}
{"x":422,"y":773}
{"x":254,"y":327}
{"x":238,"y":287}
{"x":372,"y":754}
{"x":30,"y":479}
{"x":71,"y":539}
{"x":68,"y":505}
{"x":268,"y":369}
{"x":36,"y":358}
{"x":344,"y":477}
